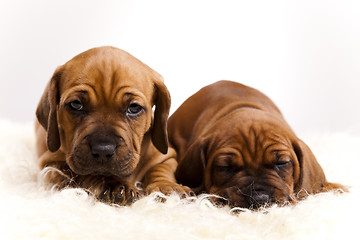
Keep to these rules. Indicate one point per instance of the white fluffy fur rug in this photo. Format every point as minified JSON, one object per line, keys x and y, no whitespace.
{"x":28,"y":210}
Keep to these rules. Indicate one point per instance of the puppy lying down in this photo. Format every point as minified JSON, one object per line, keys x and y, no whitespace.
{"x":95,"y":126}
{"x":231,"y":140}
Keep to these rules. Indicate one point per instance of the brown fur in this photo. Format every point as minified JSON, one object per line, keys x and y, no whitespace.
{"x":104,"y":147}
{"x":232,"y":141}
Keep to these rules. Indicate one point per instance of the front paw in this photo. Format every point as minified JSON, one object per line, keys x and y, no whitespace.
{"x":167,"y":188}
{"x":122,"y":194}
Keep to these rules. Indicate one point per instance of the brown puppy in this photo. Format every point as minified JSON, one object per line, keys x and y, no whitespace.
{"x":233,"y":141}
{"x":97,"y":127}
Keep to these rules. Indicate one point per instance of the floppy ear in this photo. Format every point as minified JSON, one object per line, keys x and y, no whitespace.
{"x":46,"y":111}
{"x":158,"y":129}
{"x":312,"y":178}
{"x":191,"y":168}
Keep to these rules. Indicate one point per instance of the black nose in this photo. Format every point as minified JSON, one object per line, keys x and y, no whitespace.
{"x":102,"y":150}
{"x":258,"y":199}
{"x":261,"y":198}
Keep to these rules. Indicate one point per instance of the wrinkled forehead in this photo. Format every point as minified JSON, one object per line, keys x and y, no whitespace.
{"x":108,"y":74}
{"x":254,"y":140}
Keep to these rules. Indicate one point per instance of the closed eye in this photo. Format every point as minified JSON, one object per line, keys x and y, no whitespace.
{"x":222,"y":174}
{"x":282,"y":164}
{"x":223,"y":169}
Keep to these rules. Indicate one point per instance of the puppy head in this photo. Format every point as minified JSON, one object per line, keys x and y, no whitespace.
{"x":97,"y":108}
{"x":252,"y":163}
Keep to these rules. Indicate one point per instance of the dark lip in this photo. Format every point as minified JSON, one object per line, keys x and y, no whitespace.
{"x":122,"y":169}
{"x":242,"y":202}
{"x":125,"y":167}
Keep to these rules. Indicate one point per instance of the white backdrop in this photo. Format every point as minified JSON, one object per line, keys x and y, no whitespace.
{"x":305,"y":55}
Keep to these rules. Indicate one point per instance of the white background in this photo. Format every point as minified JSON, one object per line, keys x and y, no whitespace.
{"x":305,"y":55}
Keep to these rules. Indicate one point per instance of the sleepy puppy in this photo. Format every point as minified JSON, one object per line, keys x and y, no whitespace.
{"x":96,"y":128}
{"x":232,"y":141}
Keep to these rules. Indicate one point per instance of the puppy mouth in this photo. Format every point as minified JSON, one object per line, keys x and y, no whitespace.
{"x":254,"y":199}
{"x":114,"y":171}
{"x":249,"y":202}
{"x":83,"y":164}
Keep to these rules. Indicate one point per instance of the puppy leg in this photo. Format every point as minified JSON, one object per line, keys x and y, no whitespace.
{"x":122,"y":194}
{"x":161,"y":177}
{"x":106,"y":189}
{"x":334,"y":186}
{"x":55,"y":170}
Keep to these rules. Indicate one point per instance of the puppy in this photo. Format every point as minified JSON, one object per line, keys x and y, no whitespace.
{"x":231,"y":140}
{"x":96,"y":128}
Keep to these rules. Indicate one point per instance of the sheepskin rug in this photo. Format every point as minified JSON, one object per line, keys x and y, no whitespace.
{"x":30,"y":210}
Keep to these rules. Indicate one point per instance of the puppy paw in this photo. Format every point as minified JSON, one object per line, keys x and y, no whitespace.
{"x":122,"y":194}
{"x":168,"y":188}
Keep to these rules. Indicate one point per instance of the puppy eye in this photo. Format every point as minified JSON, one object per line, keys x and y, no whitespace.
{"x":134,"y":109}
{"x":76,"y":105}
{"x":223,"y":169}
{"x":283,"y":163}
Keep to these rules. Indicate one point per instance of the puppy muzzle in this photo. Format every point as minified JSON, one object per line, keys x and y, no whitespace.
{"x":102,"y":149}
{"x":102,"y":154}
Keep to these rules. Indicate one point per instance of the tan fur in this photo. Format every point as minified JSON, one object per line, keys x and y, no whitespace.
{"x":106,"y":81}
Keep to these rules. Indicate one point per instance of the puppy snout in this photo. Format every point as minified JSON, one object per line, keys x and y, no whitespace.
{"x":261,"y":198}
{"x":258,"y":199}
{"x":102,"y":150}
